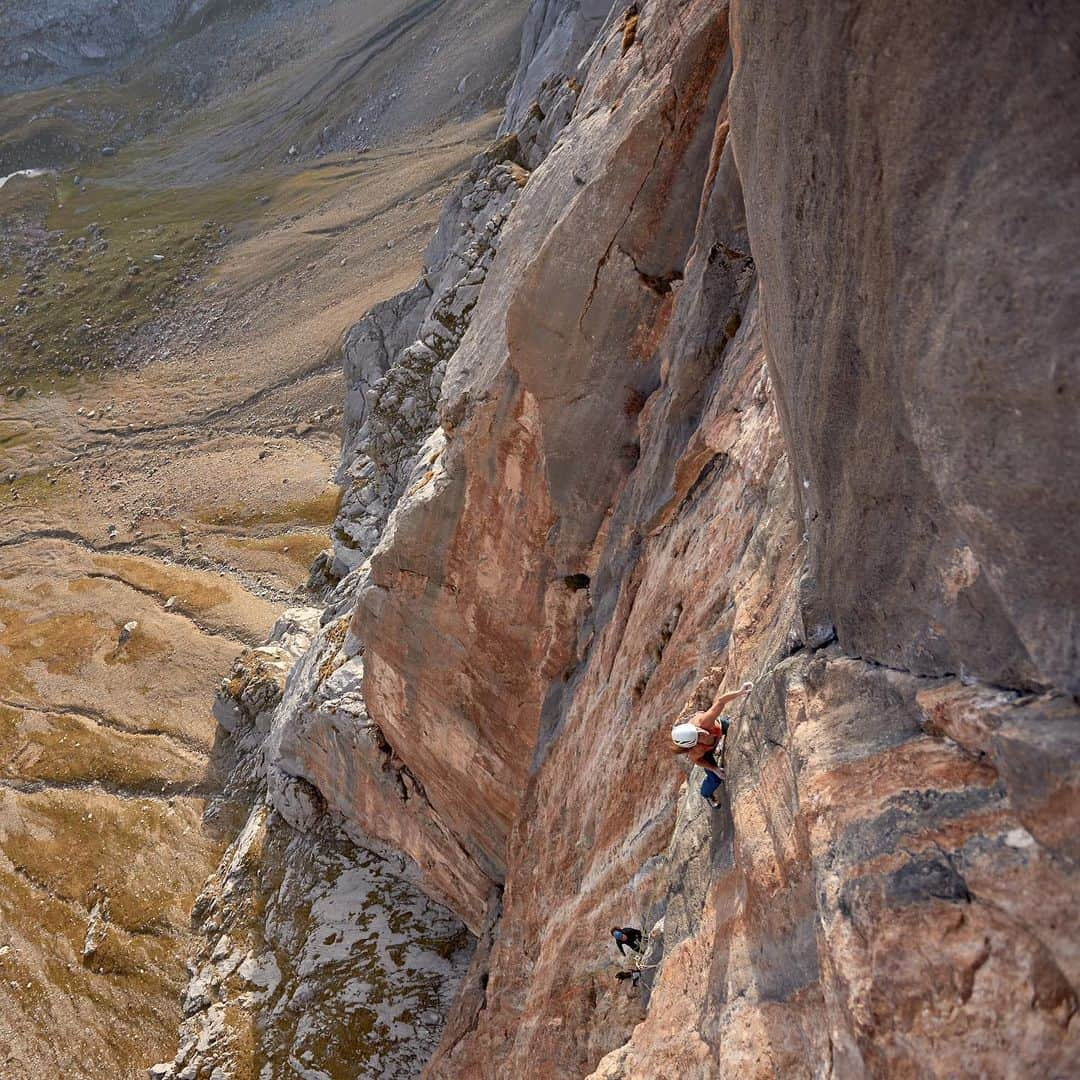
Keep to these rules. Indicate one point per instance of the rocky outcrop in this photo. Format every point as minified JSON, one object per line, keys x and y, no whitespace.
{"x":336,"y":831}
{"x":555,"y":37}
{"x":691,"y":393}
{"x":395,"y":357}
{"x":317,"y":949}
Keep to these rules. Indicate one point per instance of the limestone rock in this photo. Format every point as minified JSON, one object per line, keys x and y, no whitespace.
{"x":97,"y":927}
{"x":295,"y":919}
{"x":556,"y":35}
{"x":713,"y":375}
{"x":923,"y":294}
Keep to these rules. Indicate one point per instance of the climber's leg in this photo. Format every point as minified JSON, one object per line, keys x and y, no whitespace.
{"x":709,"y":786}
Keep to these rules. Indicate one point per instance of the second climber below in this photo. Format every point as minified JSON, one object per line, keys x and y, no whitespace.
{"x":701,"y":737}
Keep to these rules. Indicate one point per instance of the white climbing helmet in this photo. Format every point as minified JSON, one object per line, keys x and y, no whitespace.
{"x":685,"y":735}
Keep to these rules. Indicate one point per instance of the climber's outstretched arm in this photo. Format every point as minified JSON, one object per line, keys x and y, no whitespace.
{"x":723,"y":699}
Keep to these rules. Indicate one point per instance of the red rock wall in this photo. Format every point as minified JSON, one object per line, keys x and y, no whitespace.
{"x":467,"y":617}
{"x":810,"y":444}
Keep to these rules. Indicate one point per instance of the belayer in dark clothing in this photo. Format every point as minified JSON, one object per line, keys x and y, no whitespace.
{"x":626,"y":935}
{"x":701,"y":737}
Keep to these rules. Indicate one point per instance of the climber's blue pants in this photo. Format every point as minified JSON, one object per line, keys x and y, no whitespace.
{"x":709,"y":785}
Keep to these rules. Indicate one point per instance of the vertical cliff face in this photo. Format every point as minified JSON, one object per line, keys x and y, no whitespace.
{"x":918,"y":282}
{"x":744,"y":354}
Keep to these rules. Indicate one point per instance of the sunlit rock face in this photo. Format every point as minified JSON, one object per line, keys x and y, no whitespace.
{"x":689,"y":431}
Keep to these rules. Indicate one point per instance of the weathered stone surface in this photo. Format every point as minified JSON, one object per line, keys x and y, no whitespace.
{"x":393,"y":452}
{"x":319,"y":946}
{"x":555,"y":37}
{"x":860,"y":903}
{"x":922,"y":304}
{"x":850,"y":832}
{"x":461,"y":642}
{"x":605,"y":516}
{"x":317,"y":953}
{"x":395,"y":357}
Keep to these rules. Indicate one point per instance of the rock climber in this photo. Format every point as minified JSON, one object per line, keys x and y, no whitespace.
{"x":626,"y":935}
{"x":701,"y":737}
